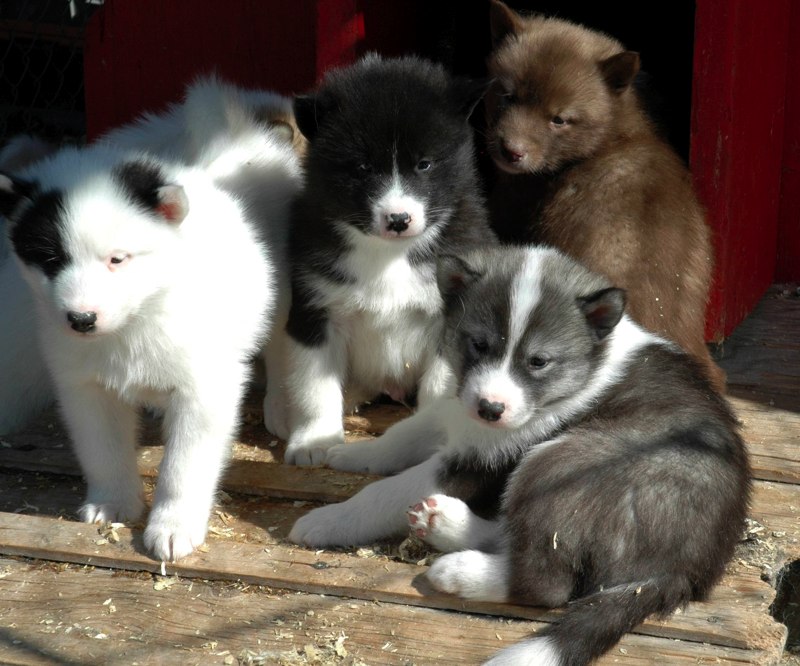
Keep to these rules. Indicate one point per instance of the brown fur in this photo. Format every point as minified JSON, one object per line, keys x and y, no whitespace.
{"x":582,"y":168}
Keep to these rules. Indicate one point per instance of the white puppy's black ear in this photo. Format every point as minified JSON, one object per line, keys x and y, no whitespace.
{"x":466,"y":93}
{"x":454,"y":275}
{"x":603,"y":309}
{"x":310,"y":111}
{"x":13,"y":191}
{"x":145,"y":185}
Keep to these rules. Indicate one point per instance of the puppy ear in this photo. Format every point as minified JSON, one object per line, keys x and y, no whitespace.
{"x":603,"y":309}
{"x":466,"y":93}
{"x":146,"y":186}
{"x":13,"y":191}
{"x":620,"y":70}
{"x":173,"y":204}
{"x":453,"y":275}
{"x":310,"y":111}
{"x":504,"y":21}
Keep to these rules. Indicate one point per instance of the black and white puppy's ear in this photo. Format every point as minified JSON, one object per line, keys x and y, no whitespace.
{"x":13,"y":192}
{"x":310,"y":111}
{"x":146,"y":185}
{"x":454,"y":275}
{"x":603,"y":309}
{"x":504,"y":21}
{"x":466,"y":93}
{"x":620,"y":70}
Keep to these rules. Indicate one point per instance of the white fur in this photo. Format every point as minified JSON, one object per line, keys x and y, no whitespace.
{"x":175,"y":328}
{"x":472,"y":574}
{"x":530,"y":652}
{"x":448,"y":524}
{"x":396,"y":200}
{"x":381,"y":337}
{"x":377,"y":512}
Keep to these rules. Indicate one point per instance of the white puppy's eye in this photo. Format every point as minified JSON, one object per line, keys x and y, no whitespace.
{"x":117,"y":260}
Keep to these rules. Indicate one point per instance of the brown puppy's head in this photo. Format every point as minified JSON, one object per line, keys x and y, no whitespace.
{"x":559,"y":90}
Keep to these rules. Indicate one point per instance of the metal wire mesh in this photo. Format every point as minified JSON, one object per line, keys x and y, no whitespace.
{"x":41,"y":68}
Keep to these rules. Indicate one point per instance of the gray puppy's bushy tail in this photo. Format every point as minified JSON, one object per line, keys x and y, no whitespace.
{"x":592,"y":625}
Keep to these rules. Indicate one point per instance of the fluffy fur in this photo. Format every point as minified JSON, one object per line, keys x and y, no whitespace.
{"x":248,"y":143}
{"x":391,"y":183}
{"x":619,"y":475}
{"x":581,"y":168}
{"x":141,"y":299}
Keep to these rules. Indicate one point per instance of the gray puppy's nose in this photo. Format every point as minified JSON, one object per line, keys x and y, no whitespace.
{"x":490,"y":411}
{"x":83,"y":322}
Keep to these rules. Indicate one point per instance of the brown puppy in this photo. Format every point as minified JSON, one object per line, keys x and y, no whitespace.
{"x":582,"y":169}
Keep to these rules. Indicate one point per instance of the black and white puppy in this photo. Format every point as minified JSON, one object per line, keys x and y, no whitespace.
{"x":390,"y":184}
{"x":621,"y":479}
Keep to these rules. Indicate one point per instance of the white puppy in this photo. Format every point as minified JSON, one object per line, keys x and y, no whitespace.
{"x":152,"y":287}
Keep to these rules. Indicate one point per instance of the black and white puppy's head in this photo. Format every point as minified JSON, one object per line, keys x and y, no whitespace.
{"x":526,"y":331}
{"x":93,"y":234}
{"x":391,"y":151}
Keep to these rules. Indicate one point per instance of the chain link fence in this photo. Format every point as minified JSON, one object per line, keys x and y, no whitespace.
{"x":41,"y":68}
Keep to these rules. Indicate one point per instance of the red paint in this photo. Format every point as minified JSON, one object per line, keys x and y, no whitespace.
{"x":140,"y":55}
{"x":740,"y":68}
{"x":788,"y":268}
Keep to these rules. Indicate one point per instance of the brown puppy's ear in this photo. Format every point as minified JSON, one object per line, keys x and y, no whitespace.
{"x":619,"y":70}
{"x":504,"y":21}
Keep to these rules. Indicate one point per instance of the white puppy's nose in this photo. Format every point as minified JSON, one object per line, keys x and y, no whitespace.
{"x":83,"y":322}
{"x":490,"y":411}
{"x":397,"y":221}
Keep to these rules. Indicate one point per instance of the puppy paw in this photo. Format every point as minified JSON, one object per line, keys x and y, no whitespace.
{"x":275,"y":417}
{"x":441,"y":521}
{"x":108,"y":508}
{"x":310,"y":450}
{"x":326,"y":526}
{"x":172,"y":533}
{"x":355,"y":457}
{"x":470,"y":574}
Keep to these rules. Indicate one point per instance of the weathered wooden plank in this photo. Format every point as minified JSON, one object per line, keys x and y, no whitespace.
{"x":735,"y":616}
{"x":61,"y":614}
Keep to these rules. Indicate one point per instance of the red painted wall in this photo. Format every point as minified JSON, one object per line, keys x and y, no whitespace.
{"x":738,"y":95}
{"x":139,"y":55}
{"x":788,"y":268}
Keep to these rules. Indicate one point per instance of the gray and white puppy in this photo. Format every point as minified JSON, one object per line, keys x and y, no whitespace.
{"x":619,"y":474}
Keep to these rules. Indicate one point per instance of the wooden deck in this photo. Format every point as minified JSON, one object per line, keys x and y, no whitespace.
{"x":72,"y":593}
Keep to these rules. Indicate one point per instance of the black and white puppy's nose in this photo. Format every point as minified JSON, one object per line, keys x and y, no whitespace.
{"x":490,"y":411}
{"x":398,"y":221}
{"x":83,"y":322}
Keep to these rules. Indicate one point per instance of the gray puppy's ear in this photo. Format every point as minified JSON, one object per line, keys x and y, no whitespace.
{"x":13,"y":191}
{"x":454,"y":275}
{"x":603,"y":309}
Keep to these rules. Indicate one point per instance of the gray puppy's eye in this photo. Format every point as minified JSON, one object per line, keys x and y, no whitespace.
{"x":537,"y":362}
{"x":424,"y":165}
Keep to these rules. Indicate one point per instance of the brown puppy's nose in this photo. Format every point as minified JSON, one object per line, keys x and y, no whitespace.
{"x":510,"y":154}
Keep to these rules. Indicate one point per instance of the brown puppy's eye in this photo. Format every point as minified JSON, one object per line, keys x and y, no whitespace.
{"x":558,"y":121}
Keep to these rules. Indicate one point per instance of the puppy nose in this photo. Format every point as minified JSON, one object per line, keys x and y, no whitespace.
{"x":511,"y":153}
{"x":398,"y":221}
{"x":83,"y":322}
{"x":490,"y":411}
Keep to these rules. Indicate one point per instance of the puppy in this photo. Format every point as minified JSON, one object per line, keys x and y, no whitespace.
{"x":248,"y":143}
{"x":620,"y":477}
{"x":390,"y":184}
{"x":152,"y":287}
{"x":581,"y":168}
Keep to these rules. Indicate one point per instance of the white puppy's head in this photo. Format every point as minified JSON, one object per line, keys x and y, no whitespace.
{"x":95,"y":236}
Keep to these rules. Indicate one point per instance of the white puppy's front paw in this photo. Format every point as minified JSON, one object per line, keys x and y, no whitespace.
{"x":308,"y":449}
{"x":275,"y":417}
{"x":173,"y":532}
{"x":470,"y":574}
{"x":441,"y":521}
{"x":105,"y":507}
